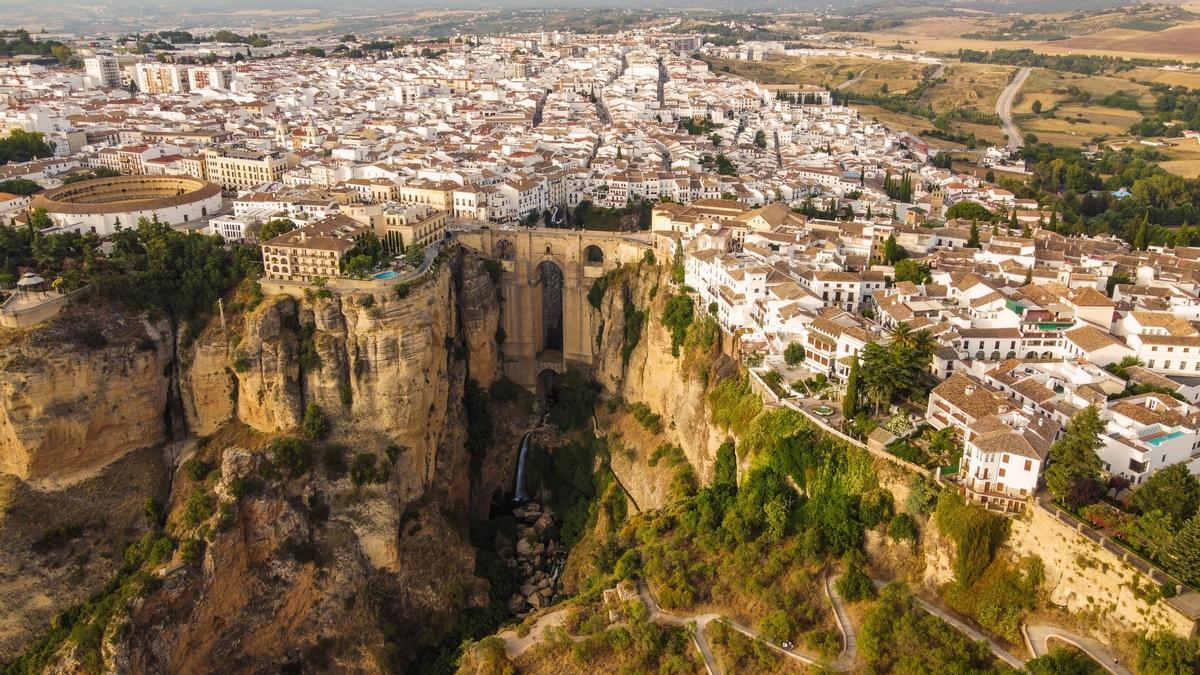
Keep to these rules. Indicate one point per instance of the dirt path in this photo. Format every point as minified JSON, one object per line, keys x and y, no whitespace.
{"x":515,"y":645}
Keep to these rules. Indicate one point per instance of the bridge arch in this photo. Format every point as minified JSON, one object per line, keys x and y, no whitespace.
{"x":547,"y":320}
{"x":593,"y":255}
{"x":550,"y":286}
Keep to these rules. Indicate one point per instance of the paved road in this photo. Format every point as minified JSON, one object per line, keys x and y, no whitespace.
{"x":1038,"y":634}
{"x":1004,"y":109}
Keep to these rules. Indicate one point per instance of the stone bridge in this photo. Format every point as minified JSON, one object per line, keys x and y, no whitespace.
{"x":546,"y":274}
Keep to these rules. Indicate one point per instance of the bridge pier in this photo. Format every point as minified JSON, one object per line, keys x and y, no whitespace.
{"x":582,"y":257}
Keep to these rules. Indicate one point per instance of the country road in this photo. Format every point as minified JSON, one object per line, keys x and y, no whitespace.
{"x":852,"y":80}
{"x":1004,"y":109}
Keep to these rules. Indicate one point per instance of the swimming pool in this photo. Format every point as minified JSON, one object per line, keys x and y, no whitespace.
{"x":385,"y":275}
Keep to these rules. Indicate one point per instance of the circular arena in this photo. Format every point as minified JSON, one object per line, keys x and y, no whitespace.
{"x":100,"y":204}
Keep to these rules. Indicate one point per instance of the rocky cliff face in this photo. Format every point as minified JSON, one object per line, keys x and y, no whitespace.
{"x":669,"y":385}
{"x":388,"y":373}
{"x":80,"y":393}
{"x":267,"y":363}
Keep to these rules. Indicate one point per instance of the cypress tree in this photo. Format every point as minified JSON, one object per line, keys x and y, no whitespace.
{"x":1142,"y":234}
{"x":1184,"y":553}
{"x":850,"y":400}
{"x":973,"y":240}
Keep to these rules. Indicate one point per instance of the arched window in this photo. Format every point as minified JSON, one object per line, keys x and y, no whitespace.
{"x":593,"y":255}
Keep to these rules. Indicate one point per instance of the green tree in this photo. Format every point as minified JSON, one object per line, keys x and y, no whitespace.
{"x":20,"y":186}
{"x":777,"y":626}
{"x":677,"y":316}
{"x":275,"y":227}
{"x":911,"y":270}
{"x":903,"y":528}
{"x":968,"y":210}
{"x":1165,"y":653}
{"x":1073,"y":457}
{"x":898,"y":636}
{"x":1036,"y":107}
{"x":1141,"y":236}
{"x":892,"y":251}
{"x":22,"y":146}
{"x":973,"y":237}
{"x":39,"y":219}
{"x":854,"y":585}
{"x":315,"y":425}
{"x":793,"y":354}
{"x":1174,"y":491}
{"x":414,"y":255}
{"x":850,"y":398}
{"x":1183,"y":556}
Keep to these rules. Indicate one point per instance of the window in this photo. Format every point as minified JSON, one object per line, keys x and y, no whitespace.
{"x":1029,"y":465}
{"x":1004,"y":459}
{"x":1002,"y":472}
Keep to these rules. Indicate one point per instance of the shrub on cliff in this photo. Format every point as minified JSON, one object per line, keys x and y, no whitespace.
{"x":677,"y":316}
{"x":315,"y":425}
{"x":734,"y":404}
{"x":293,"y":455}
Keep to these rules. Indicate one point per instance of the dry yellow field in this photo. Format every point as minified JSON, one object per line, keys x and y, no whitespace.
{"x":896,"y":77}
{"x":1045,"y":82}
{"x":894,"y":120}
{"x":830,"y":71}
{"x":1174,"y":78}
{"x":969,"y":85}
{"x":1188,"y":168}
{"x":1181,"y":41}
{"x":1078,"y":124}
{"x":943,"y":35}
{"x":1184,"y":156}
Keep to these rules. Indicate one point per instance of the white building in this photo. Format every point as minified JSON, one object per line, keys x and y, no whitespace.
{"x":103,"y":70}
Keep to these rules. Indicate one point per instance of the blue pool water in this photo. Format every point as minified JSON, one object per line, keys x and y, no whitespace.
{"x":385,"y":275}
{"x":1163,"y":439}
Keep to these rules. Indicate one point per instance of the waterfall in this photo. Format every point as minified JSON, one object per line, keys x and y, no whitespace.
{"x":519,"y":494}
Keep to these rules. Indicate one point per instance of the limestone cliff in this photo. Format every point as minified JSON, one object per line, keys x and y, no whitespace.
{"x":286,"y":586}
{"x":673,"y":387}
{"x":478,"y":313}
{"x":80,"y":392}
{"x":268,"y":367}
{"x":206,"y":382}
{"x":83,"y":393}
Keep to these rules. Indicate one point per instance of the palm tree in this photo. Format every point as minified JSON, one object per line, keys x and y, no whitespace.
{"x":924,"y":344}
{"x":902,"y":335}
{"x":880,"y":373}
{"x":943,"y":442}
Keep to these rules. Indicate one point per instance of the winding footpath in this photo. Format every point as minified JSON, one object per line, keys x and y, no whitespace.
{"x":516,"y":645}
{"x":1038,"y":636}
{"x":1004,"y":109}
